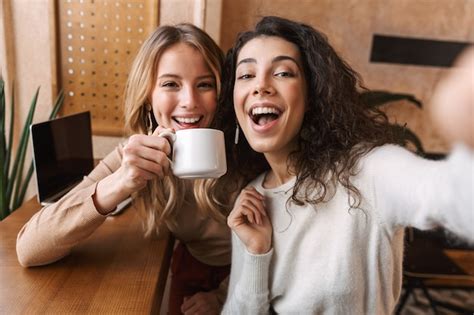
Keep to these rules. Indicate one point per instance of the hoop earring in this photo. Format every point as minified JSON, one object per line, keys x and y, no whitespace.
{"x":237,"y":130}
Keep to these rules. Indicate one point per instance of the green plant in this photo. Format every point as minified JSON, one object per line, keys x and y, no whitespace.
{"x":378,"y":98}
{"x":13,"y":184}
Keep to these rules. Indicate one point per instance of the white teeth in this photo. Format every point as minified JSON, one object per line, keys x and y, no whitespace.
{"x":265,"y":110}
{"x":187,"y":120}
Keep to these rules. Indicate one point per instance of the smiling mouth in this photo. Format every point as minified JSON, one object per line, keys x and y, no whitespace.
{"x":188,"y":121}
{"x":264,"y":115}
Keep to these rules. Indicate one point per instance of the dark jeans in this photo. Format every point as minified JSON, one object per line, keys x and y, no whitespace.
{"x":190,"y":276}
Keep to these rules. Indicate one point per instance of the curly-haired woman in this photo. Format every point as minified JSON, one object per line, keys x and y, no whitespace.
{"x":321,"y":230}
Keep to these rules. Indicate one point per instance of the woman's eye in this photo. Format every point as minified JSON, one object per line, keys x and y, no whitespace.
{"x":169,"y":84}
{"x":244,"y":76}
{"x":284,"y":74}
{"x":206,"y":85}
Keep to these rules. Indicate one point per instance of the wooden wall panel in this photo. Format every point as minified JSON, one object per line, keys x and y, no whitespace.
{"x":177,"y":11}
{"x":350,"y":25}
{"x":98,"y":41}
{"x":205,"y":14}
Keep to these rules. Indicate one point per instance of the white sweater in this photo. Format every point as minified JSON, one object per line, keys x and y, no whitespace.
{"x":334,"y":260}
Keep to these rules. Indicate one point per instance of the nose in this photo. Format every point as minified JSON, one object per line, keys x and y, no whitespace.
{"x":263,"y":87}
{"x":189,"y":98}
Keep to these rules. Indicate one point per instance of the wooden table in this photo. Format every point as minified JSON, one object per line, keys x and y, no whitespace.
{"x":115,"y":271}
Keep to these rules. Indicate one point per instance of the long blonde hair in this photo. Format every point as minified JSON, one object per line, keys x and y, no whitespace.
{"x":161,"y":199}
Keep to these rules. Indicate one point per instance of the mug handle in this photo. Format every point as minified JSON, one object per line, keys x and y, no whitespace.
{"x":168,"y":135}
{"x":171,"y":137}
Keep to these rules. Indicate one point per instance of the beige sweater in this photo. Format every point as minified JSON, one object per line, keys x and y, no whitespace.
{"x":52,"y":232}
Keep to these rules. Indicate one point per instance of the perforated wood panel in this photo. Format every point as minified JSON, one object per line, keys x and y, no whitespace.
{"x":98,"y":40}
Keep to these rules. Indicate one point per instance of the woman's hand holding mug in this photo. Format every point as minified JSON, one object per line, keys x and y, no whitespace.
{"x":144,"y":158}
{"x":250,"y":222}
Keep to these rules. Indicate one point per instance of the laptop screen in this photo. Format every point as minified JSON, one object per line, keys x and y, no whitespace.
{"x":62,"y":153}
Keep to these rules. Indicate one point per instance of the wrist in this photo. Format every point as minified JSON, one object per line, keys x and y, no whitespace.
{"x":120,"y":185}
{"x":109,"y":193}
{"x":259,"y":249}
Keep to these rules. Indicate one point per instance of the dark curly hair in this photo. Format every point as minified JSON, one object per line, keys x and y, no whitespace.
{"x":337,"y":130}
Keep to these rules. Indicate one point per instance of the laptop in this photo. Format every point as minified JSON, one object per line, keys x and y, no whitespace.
{"x":62,"y":154}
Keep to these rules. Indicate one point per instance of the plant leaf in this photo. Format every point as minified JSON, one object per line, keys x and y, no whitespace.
{"x":21,"y":196}
{"x":3,"y":176}
{"x":3,"y":145}
{"x":377,"y":98}
{"x":57,"y":105}
{"x":3,"y":115}
{"x":18,"y":183}
{"x":10,"y":138}
{"x":21,"y":151}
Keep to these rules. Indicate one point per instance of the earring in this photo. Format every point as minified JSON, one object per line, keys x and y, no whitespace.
{"x":236,"y":139}
{"x":148,"y":121}
{"x":149,"y":124}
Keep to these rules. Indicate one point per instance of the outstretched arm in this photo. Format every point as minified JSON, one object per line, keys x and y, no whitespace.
{"x":411,"y":191}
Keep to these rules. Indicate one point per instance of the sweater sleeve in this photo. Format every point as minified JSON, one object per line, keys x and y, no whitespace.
{"x":53,"y":231}
{"x":412,"y":191}
{"x":249,"y":283}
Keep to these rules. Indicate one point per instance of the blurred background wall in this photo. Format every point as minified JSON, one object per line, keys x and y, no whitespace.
{"x":350,"y":26}
{"x":35,"y":35}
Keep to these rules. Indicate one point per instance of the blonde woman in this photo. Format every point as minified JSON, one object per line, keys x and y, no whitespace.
{"x":174,"y":84}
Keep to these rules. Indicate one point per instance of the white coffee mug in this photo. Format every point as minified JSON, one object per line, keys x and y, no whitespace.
{"x":197,"y":153}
